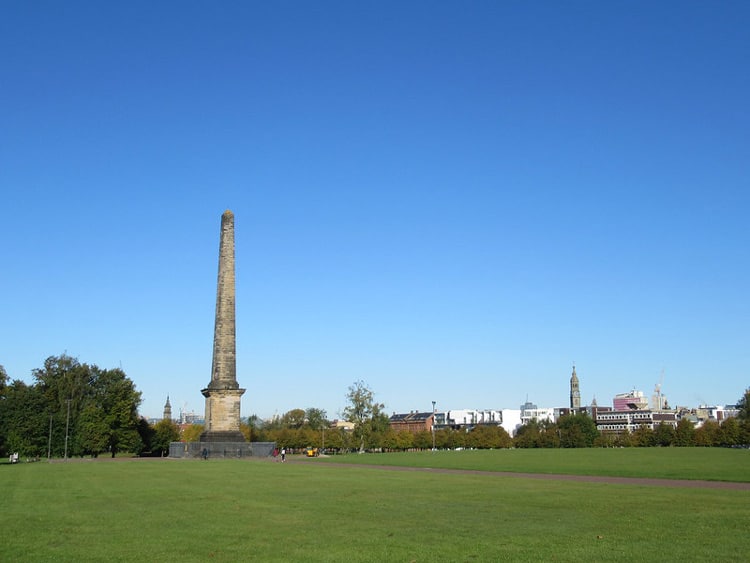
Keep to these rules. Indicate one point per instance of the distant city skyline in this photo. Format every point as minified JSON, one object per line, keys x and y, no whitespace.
{"x":451,"y":203}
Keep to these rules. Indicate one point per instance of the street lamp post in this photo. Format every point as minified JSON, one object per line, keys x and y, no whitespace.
{"x":49,"y":441}
{"x":433,"y":426}
{"x":67,"y":426}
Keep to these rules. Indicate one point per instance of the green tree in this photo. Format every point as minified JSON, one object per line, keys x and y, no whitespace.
{"x":92,"y":431}
{"x":390,"y":440}
{"x":625,"y":439}
{"x":316,"y":418}
{"x":165,"y":432}
{"x":115,"y":395}
{"x":89,"y":406}
{"x":664,"y":434}
{"x":729,"y":432}
{"x":684,"y":434}
{"x":577,"y":431}
{"x":247,"y":431}
{"x":422,"y":440}
{"x":450,"y":438}
{"x":366,"y":414}
{"x":307,"y":437}
{"x":744,"y":406}
{"x":528,"y":435}
{"x":488,"y":437}
{"x":549,"y":437}
{"x":3,"y":410}
{"x":404,"y":440}
{"x":66,"y":385}
{"x":24,"y":420}
{"x":605,"y":440}
{"x":337,"y":439}
{"x":146,"y":434}
{"x":379,"y":425}
{"x":743,"y":417}
{"x":192,"y":433}
{"x":643,"y":436}
{"x":708,"y":434}
{"x":254,"y":429}
{"x":294,"y":418}
{"x":286,"y":438}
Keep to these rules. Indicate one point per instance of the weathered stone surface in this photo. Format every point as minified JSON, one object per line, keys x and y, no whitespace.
{"x":220,"y":449}
{"x":224,"y":366}
{"x":223,"y":392}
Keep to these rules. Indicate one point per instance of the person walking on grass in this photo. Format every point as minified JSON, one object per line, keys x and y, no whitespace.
{"x":283,"y":455}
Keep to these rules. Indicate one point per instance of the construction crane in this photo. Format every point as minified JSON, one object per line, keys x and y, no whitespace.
{"x":657,"y":392}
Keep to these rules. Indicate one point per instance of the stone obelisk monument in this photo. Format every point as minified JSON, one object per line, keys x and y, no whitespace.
{"x":223,"y":392}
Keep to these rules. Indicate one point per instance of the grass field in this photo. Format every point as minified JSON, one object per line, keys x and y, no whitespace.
{"x":233,"y":510}
{"x":711,"y":464}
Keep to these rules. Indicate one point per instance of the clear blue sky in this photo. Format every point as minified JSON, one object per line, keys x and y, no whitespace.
{"x":453,"y":201}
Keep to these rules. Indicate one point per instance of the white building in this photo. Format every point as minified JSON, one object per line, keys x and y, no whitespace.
{"x":511,"y":420}
{"x":529,"y":414}
{"x":472,"y":417}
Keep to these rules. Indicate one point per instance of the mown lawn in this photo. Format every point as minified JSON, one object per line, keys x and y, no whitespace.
{"x":170,"y":510}
{"x":712,"y":464}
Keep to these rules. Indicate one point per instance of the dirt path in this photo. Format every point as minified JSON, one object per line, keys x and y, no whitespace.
{"x":641,"y":481}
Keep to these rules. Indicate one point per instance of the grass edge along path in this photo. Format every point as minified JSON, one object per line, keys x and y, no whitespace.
{"x":612,"y":480}
{"x":694,"y":464}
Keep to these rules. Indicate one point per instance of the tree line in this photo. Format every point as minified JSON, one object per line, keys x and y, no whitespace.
{"x":372,"y":431}
{"x":75,"y":409}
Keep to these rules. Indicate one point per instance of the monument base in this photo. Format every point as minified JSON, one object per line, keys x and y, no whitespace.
{"x":221,"y":450}
{"x":222,"y":436}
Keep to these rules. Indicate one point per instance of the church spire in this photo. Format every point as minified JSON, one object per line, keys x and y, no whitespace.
{"x":575,"y":391}
{"x":167,"y":410}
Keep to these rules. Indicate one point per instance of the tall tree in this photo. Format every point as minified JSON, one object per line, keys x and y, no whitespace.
{"x":684,"y":434}
{"x":294,"y":418}
{"x":643,"y":436}
{"x":729,"y":432}
{"x":24,"y":422}
{"x":3,"y":408}
{"x":66,"y":385}
{"x":707,"y":435}
{"x":362,"y":410}
{"x":422,"y":439}
{"x":744,"y":418}
{"x":116,"y":395}
{"x":165,"y":432}
{"x":404,"y":440}
{"x":528,"y":435}
{"x":146,"y":434}
{"x":96,"y":408}
{"x":92,"y":435}
{"x":664,"y":434}
{"x":316,"y":418}
{"x":577,"y":431}
{"x":744,"y":406}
